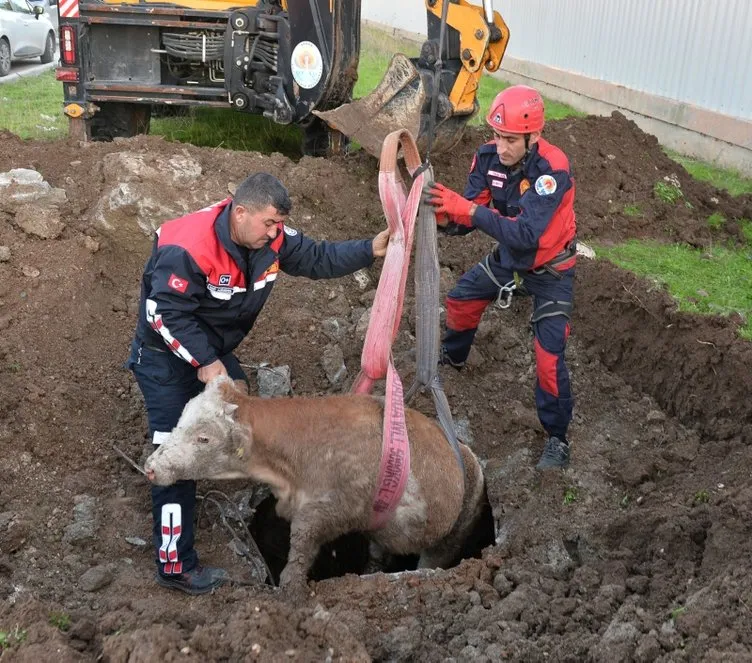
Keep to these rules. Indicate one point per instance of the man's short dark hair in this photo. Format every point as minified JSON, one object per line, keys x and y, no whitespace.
{"x":260,"y":190}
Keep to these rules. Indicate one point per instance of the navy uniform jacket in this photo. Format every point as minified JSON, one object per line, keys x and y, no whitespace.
{"x":201,"y":293}
{"x":533,"y":215}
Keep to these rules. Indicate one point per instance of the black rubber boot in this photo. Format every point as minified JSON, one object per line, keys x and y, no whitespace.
{"x":201,"y":580}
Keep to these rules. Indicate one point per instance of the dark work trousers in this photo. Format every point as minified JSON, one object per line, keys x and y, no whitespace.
{"x":168,"y":383}
{"x":471,"y":296}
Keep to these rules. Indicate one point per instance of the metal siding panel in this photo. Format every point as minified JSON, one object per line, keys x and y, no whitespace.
{"x":694,"y":51}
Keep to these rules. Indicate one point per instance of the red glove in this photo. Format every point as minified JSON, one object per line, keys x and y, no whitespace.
{"x":446,"y":201}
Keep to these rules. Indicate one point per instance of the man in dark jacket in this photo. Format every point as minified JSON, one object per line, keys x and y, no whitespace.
{"x":529,"y":183}
{"x":208,"y":277}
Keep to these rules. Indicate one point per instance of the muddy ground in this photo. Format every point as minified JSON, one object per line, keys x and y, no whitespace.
{"x":639,"y":552}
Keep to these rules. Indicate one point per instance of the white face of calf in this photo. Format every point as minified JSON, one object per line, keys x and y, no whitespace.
{"x":207,"y":443}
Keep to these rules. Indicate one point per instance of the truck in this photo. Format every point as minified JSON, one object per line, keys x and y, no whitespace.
{"x":292,"y":61}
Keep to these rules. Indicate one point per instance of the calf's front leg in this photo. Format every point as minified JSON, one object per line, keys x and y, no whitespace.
{"x":304,"y":546}
{"x":311,"y":527}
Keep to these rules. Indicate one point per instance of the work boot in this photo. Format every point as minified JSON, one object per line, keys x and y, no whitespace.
{"x":555,"y":455}
{"x":446,"y":360}
{"x":201,"y":580}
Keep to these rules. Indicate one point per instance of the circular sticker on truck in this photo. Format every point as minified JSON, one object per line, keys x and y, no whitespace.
{"x":307,"y":65}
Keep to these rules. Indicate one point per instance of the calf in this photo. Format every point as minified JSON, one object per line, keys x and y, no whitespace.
{"x":320,"y":457}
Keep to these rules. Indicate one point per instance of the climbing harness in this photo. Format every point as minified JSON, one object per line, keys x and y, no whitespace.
{"x":549,"y":309}
{"x":516,"y":286}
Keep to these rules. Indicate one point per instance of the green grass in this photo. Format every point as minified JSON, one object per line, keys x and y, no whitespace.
{"x":668,"y":193}
{"x":702,"y":497}
{"x":746,"y":226}
{"x":215,"y":127}
{"x":717,"y":281}
{"x":32,"y":107}
{"x":632,"y":210}
{"x":13,"y":637}
{"x":677,"y":612}
{"x":60,"y":620}
{"x":570,"y":495}
{"x":376,"y":50}
{"x":723,"y":178}
{"x":716,"y":221}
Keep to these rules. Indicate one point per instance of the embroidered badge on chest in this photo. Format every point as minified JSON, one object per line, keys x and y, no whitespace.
{"x":545,"y":185}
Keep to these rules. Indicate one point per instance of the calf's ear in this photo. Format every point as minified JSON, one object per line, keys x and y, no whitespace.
{"x":229,"y":408}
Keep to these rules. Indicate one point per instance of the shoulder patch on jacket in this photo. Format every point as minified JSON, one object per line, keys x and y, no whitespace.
{"x":545,"y":185}
{"x":267,"y":277}
{"x":177,"y":283}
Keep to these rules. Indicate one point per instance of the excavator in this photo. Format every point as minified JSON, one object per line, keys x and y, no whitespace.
{"x":292,"y":61}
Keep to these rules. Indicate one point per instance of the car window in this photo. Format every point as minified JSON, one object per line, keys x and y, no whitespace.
{"x":20,"y":6}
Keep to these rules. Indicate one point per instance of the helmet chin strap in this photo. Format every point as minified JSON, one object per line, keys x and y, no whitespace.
{"x":527,"y":144}
{"x":520,"y":163}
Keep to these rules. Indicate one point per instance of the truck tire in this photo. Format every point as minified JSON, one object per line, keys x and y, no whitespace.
{"x":49,"y":48}
{"x":4,"y":57}
{"x":119,"y":120}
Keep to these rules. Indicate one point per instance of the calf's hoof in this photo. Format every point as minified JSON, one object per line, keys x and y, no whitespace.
{"x":295,"y":592}
{"x":293,"y":587}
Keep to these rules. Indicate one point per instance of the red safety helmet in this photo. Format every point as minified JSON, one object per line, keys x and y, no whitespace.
{"x":517,"y":110}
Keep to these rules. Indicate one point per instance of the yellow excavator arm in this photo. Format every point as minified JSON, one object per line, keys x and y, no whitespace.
{"x":475,"y":40}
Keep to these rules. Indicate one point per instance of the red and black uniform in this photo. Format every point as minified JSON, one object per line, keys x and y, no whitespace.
{"x":200,"y":296}
{"x":201,"y":293}
{"x":534,"y":222}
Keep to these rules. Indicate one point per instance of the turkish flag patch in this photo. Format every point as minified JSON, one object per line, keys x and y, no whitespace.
{"x":176,"y":283}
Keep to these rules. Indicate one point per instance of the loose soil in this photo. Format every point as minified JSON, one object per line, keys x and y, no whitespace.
{"x":639,"y":552}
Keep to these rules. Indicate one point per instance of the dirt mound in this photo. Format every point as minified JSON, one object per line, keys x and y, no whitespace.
{"x":638,"y":552}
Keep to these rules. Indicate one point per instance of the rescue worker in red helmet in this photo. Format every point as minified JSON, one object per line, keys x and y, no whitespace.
{"x":520,"y":192}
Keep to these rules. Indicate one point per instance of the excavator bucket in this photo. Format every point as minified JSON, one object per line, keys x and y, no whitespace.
{"x":397,"y":102}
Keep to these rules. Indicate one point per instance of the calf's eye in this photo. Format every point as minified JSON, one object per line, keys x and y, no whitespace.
{"x":203,"y":438}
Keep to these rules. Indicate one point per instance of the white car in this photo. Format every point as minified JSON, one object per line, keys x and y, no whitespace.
{"x":25,"y":32}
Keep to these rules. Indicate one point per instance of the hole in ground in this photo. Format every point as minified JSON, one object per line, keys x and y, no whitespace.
{"x":348,"y":553}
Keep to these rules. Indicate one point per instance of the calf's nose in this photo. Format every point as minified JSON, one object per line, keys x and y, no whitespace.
{"x":150,"y":475}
